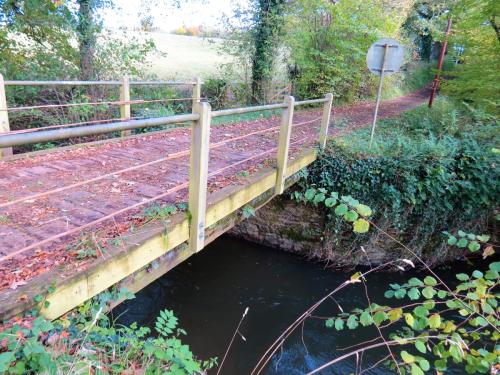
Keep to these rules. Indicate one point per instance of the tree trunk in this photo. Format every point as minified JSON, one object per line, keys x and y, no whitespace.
{"x":86,"y":39}
{"x":268,"y":25}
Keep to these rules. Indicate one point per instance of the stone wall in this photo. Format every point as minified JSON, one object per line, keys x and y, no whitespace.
{"x":285,"y":225}
{"x":298,"y":228}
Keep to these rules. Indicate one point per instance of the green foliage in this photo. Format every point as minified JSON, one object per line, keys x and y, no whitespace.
{"x":215,"y":90}
{"x":37,"y":42}
{"x":87,"y":340}
{"x":476,"y":31}
{"x":348,"y":208}
{"x":268,"y":24}
{"x":428,"y":171}
{"x":471,"y":241}
{"x":159,"y":212}
{"x":457,"y":325}
{"x":328,"y":43}
{"x":248,"y":211}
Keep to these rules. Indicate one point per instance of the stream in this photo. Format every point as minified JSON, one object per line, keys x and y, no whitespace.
{"x":210,"y":291}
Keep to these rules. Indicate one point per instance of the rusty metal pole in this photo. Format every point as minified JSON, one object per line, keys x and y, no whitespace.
{"x":435,"y":82}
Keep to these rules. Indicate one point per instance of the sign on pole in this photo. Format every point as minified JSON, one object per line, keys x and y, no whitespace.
{"x":384,"y":57}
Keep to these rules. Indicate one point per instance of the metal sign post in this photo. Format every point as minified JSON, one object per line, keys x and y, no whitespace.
{"x":383,"y":58}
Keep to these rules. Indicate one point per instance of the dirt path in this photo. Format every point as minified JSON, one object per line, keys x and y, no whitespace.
{"x":48,"y":202}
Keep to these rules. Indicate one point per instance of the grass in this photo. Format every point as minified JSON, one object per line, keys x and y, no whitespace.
{"x":184,"y":57}
{"x":437,"y":132}
{"x":266,"y":114}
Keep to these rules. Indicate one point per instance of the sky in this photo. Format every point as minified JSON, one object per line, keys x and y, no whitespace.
{"x":167,"y":18}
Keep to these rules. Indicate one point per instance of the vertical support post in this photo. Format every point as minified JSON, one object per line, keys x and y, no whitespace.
{"x":435,"y":82}
{"x":4,"y":117}
{"x":196,"y":93}
{"x":284,"y":144}
{"x":125,"y":108}
{"x":379,"y":92}
{"x":198,"y":176}
{"x":325,"y":121}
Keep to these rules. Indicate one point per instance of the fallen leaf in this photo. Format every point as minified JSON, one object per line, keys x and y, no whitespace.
{"x":15,"y":284}
{"x":488,"y":251}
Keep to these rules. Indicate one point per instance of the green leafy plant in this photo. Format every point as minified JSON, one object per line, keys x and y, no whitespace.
{"x":428,"y":171}
{"x":345,"y":207}
{"x":442,"y":325}
{"x":248,"y":211}
{"x":87,"y":340}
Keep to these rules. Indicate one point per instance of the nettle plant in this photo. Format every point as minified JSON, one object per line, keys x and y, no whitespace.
{"x":435,"y":325}
{"x":350,"y":209}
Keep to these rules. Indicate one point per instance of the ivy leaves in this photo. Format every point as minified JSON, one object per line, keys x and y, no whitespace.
{"x":346,"y":207}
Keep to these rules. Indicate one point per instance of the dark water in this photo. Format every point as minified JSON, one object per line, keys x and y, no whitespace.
{"x":210,"y":291}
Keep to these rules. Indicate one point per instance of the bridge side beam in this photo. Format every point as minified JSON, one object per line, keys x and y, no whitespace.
{"x":284,"y":144}
{"x":4,"y":117}
{"x":325,"y":121}
{"x":198,"y":176}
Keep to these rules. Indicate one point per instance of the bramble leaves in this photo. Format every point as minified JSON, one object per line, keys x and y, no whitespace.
{"x":352,"y":322}
{"x":469,"y":240}
{"x":341,"y":209}
{"x":363,"y":210}
{"x":348,"y":208}
{"x":361,"y":226}
{"x":351,"y":216}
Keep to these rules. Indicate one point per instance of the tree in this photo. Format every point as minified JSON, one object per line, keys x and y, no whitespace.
{"x":268,"y":20}
{"x":476,"y":79}
{"x":425,"y":25}
{"x":327,"y":44}
{"x":37,"y":35}
{"x":87,"y":30}
{"x":35,"y":38}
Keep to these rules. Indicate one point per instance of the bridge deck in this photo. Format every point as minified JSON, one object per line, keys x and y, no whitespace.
{"x":56,"y":205}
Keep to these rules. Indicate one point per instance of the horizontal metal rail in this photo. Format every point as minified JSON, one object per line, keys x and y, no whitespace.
{"x":239,"y":111}
{"x":11,"y":140}
{"x":312,"y":101}
{"x":104,"y":103}
{"x":92,"y":83}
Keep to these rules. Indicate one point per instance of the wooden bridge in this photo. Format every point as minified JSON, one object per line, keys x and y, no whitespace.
{"x":80,"y":219}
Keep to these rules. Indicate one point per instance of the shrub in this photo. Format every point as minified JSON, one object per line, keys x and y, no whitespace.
{"x":428,"y":171}
{"x":87,"y":341}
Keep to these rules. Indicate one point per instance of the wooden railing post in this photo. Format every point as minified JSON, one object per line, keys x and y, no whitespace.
{"x":4,"y":117}
{"x":198,"y":175}
{"x":125,"y":108}
{"x":196,"y":94}
{"x":284,"y":144}
{"x":325,"y":121}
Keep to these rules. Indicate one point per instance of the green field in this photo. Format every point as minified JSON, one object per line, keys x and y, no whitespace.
{"x":185,"y":57}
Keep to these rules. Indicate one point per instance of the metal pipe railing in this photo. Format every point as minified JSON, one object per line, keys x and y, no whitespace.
{"x":19,"y":139}
{"x":11,"y":140}
{"x":90,"y":83}
{"x":239,"y":111}
{"x":311,"y":101}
